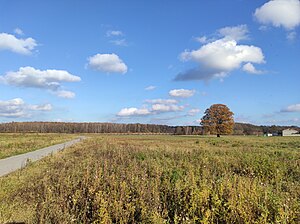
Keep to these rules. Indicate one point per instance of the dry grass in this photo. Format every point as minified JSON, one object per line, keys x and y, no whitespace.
{"x":159,"y":179}
{"x":14,"y":144}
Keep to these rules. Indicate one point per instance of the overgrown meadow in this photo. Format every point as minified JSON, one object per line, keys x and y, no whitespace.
{"x":159,"y":179}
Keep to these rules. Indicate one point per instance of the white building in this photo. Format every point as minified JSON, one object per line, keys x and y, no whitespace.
{"x":290,"y":132}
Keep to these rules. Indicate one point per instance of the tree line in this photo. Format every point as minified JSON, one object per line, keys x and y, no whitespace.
{"x":68,"y":127}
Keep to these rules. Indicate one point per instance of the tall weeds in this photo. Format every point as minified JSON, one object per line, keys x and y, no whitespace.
{"x":168,"y":180}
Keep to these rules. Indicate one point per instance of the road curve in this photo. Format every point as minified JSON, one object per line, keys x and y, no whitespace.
{"x":13,"y":163}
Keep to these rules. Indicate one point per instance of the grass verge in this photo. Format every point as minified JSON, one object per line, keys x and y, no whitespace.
{"x":15,"y":144}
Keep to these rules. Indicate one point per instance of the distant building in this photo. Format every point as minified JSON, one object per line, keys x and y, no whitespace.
{"x":267,"y":134}
{"x":290,"y":132}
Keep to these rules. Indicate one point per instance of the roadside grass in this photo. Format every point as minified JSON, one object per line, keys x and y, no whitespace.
{"x":19,"y":143}
{"x":159,"y":179}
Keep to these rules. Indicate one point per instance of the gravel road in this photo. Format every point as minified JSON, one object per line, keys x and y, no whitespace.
{"x":13,"y":163}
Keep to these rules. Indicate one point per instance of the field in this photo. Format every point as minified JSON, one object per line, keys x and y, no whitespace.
{"x":14,"y":144}
{"x":159,"y":179}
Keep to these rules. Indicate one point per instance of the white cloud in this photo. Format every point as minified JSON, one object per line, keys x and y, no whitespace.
{"x":18,"y":108}
{"x":292,"y":108}
{"x":18,"y":31}
{"x":132,"y":111}
{"x":157,"y":106}
{"x":251,"y":69}
{"x":279,"y":13}
{"x":121,"y":42}
{"x":35,"y":78}
{"x":193,"y":112}
{"x":218,"y":58}
{"x":116,"y":34}
{"x":183,"y":93}
{"x":224,"y":55}
{"x":162,"y":101}
{"x":65,"y":94}
{"x":205,"y":39}
{"x":149,"y":88}
{"x":291,"y":36}
{"x":110,"y":63}
{"x":202,"y":39}
{"x":166,"y":108}
{"x":235,"y":33}
{"x":263,"y":28}
{"x":110,"y":33}
{"x":44,"y":107}
{"x":21,"y":46}
{"x":12,"y":108}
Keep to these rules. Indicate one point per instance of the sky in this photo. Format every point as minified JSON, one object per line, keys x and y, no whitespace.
{"x":158,"y":61}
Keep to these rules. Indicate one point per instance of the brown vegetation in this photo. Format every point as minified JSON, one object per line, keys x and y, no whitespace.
{"x":218,"y":119}
{"x":62,"y":127}
{"x":160,"y":179}
{"x":69,"y":127}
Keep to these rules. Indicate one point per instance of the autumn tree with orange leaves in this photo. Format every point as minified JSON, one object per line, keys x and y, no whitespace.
{"x":217,"y":120}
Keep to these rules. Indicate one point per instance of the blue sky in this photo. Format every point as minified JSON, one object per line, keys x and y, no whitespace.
{"x":159,"y":61}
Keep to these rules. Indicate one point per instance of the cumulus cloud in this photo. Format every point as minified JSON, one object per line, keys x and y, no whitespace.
{"x":166,"y":108}
{"x":149,"y":88}
{"x":156,"y":108}
{"x":110,"y":33}
{"x":200,"y":73}
{"x":21,"y":46}
{"x":224,"y":55}
{"x":183,"y":93}
{"x":249,"y":68}
{"x":235,"y":33}
{"x":279,"y":13}
{"x":162,"y":101}
{"x":110,"y":63}
{"x":12,"y":108}
{"x":292,"y":108}
{"x":15,"y":108}
{"x":132,"y":111}
{"x":219,"y":57}
{"x":43,"y":79}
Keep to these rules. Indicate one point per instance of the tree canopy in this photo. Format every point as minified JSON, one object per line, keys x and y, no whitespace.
{"x":218,"y":119}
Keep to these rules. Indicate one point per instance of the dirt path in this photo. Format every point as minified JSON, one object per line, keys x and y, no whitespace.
{"x":13,"y":163}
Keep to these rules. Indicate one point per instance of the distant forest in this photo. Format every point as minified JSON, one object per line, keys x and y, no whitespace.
{"x":62,"y":127}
